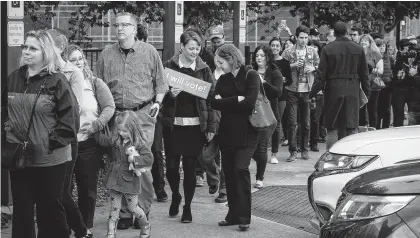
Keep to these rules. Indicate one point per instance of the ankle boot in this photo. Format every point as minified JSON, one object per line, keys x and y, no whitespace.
{"x":145,"y":227}
{"x":186,"y":215}
{"x":112,"y":229}
{"x":174,"y":208}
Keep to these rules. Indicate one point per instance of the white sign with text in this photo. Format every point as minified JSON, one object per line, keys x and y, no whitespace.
{"x":15,"y":33}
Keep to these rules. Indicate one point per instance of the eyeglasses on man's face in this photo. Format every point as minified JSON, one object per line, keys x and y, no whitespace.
{"x":123,"y":25}
{"x":353,"y":34}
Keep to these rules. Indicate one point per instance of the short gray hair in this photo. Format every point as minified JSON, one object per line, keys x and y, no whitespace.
{"x":232,"y":55}
{"x":133,"y":17}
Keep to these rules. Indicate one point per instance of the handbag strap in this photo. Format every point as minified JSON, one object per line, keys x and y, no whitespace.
{"x":261,"y":84}
{"x":33,"y":109}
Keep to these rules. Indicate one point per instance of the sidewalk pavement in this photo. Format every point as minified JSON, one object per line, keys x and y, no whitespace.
{"x":206,"y":213}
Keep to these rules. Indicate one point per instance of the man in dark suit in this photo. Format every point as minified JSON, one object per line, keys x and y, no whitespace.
{"x":342,"y":71}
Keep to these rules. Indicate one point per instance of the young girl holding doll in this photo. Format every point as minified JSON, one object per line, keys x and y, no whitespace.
{"x":129,"y":158}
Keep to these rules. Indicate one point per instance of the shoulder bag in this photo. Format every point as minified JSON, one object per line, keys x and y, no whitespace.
{"x":262,"y":116}
{"x":16,"y":156}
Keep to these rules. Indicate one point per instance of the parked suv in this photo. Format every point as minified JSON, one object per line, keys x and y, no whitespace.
{"x":353,"y":156}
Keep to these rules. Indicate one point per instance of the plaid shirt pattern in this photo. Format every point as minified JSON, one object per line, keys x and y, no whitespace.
{"x":135,"y":78}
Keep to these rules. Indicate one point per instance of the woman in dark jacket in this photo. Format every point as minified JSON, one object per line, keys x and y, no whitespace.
{"x":272,"y":81}
{"x":236,"y":94}
{"x":188,"y":123}
{"x":55,"y":125}
{"x":385,"y":95}
{"x":284,"y":66}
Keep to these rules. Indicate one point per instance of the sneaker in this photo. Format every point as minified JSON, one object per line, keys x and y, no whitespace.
{"x":199,"y":181}
{"x":222,"y":198}
{"x":305,"y":155}
{"x":285,"y":143}
{"x":322,"y":140}
{"x":274,"y":160}
{"x":161,"y":196}
{"x":259,"y":184}
{"x":292,"y":157}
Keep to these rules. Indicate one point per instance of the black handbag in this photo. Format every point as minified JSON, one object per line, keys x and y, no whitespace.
{"x":16,"y":156}
{"x":262,"y":116}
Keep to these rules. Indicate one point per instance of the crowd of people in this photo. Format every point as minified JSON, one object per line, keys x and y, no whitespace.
{"x":128,"y":109}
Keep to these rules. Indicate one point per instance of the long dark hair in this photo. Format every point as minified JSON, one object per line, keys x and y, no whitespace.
{"x":269,"y":56}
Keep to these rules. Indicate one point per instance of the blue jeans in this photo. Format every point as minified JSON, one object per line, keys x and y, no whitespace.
{"x":298,"y":102}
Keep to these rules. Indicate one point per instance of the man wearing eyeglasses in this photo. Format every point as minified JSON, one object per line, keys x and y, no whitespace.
{"x":133,"y":71}
{"x":355,"y":33}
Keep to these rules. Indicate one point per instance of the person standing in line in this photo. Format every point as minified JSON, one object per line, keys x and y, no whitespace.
{"x":303,"y":62}
{"x":188,"y":123}
{"x":158,"y":171}
{"x":235,"y":96}
{"x":272,"y":83}
{"x":211,"y":153}
{"x":385,"y":96}
{"x":97,"y":109}
{"x":39,"y":187}
{"x":414,"y":110}
{"x":342,"y":71}
{"x":75,"y":76}
{"x":355,"y":33}
{"x":284,"y":66}
{"x":375,"y":62}
{"x":133,"y":71}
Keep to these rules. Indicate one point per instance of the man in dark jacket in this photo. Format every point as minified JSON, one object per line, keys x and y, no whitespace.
{"x":342,"y":71}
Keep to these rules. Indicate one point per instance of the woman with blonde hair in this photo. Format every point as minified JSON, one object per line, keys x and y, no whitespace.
{"x":236,"y":93}
{"x":39,"y":91}
{"x":376,"y":68}
{"x":97,"y":108}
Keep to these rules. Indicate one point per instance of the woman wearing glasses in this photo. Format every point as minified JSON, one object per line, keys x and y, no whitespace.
{"x":55,"y":124}
{"x":96,"y":109}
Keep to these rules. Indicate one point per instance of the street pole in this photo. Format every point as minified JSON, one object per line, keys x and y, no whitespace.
{"x":239,"y":25}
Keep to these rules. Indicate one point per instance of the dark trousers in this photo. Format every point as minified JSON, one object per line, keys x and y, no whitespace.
{"x":42,"y":186}
{"x":74,"y":217}
{"x":211,"y":161}
{"x":413,"y":118}
{"x":316,"y":119}
{"x":278,"y":132}
{"x":399,"y":99}
{"x":260,"y":155}
{"x":158,"y":172}
{"x":372,"y":108}
{"x":89,"y":161}
{"x":384,"y":108}
{"x":298,"y":102}
{"x":172,"y":174}
{"x":235,"y":163}
{"x":334,"y":135}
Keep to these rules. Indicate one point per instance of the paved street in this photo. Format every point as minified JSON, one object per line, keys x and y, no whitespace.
{"x":206,"y":213}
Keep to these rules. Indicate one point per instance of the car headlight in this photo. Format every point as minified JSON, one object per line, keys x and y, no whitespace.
{"x":330,"y":161}
{"x":359,"y":207}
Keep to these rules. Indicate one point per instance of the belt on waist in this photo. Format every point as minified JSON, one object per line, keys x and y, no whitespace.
{"x":140,"y":106}
{"x":187,"y":121}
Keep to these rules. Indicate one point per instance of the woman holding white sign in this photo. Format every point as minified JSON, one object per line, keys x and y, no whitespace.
{"x":188,"y":123}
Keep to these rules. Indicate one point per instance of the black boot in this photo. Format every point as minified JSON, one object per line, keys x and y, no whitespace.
{"x":174,"y":208}
{"x":186,"y":215}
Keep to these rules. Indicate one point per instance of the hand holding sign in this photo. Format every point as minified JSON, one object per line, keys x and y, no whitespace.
{"x":175,"y":91}
{"x":186,"y":83}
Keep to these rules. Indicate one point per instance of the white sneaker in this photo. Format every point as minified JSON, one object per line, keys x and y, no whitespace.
{"x":259,"y":184}
{"x":274,"y":160}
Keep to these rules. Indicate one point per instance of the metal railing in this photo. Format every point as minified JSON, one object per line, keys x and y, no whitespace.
{"x":92,"y":55}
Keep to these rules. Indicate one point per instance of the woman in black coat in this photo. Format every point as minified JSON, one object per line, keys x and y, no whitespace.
{"x":272,"y":81}
{"x":188,"y":123}
{"x":236,"y":94}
